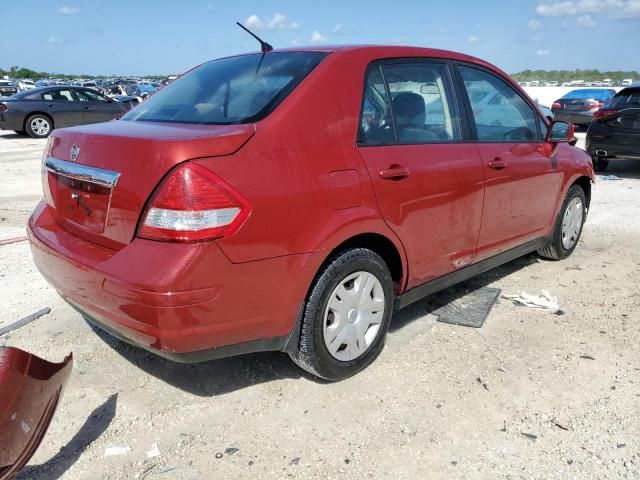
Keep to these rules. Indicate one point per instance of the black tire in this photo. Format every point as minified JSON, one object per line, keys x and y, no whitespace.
{"x":313,"y":354}
{"x":42,"y":117}
{"x":555,"y":249}
{"x":600,"y":164}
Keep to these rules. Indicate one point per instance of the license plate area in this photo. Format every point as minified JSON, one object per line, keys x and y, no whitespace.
{"x":82,"y":203}
{"x":81,"y":194}
{"x":573,"y":108}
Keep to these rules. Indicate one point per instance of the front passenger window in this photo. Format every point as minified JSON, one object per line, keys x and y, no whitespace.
{"x":501,"y":115}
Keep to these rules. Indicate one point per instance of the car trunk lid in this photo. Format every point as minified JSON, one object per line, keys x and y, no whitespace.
{"x":99,"y":177}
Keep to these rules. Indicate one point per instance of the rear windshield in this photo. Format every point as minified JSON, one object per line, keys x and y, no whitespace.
{"x":595,"y":94}
{"x":230,"y":90}
{"x":627,"y":97}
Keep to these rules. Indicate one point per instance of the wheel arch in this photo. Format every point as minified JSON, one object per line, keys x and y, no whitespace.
{"x":584,"y":182}
{"x":381,"y":245}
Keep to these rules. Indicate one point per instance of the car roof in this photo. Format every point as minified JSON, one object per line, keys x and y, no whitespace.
{"x":374,"y":52}
{"x":383,"y":50}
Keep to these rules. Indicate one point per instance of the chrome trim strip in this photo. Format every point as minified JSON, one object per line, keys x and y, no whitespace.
{"x":85,"y":173}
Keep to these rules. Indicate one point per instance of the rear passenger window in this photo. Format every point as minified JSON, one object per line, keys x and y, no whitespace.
{"x":59,"y":96}
{"x":501,"y":115}
{"x":420,"y":110}
{"x":375,"y":120}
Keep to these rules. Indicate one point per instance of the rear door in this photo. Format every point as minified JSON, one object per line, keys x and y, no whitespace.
{"x":63,"y":107}
{"x":95,"y":107}
{"x":522,"y":182}
{"x":429,"y":184}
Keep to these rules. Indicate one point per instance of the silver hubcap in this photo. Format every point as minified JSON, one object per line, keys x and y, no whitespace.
{"x":353,"y":316}
{"x":572,"y":223}
{"x":40,"y":126}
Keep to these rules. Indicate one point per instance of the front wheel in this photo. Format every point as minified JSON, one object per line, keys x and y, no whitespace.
{"x":346,"y":316}
{"x":568,"y":226}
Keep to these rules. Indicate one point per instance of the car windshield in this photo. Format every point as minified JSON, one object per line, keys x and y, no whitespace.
{"x":596,"y":94}
{"x":628,"y":97}
{"x":5,"y":83}
{"x":231,"y":90}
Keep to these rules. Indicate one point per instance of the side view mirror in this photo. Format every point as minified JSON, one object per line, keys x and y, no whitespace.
{"x":560,"y":132}
{"x":109,"y":100}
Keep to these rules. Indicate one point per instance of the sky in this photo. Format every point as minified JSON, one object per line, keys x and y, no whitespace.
{"x":158,"y":37}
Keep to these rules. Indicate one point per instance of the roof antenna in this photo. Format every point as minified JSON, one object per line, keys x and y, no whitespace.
{"x":264,"y":46}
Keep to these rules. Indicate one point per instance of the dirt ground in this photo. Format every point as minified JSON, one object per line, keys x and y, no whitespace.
{"x":531,"y":395}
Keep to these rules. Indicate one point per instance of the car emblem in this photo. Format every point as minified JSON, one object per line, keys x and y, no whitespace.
{"x":74,"y":152}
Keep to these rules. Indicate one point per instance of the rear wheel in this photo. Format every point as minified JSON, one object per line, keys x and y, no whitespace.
{"x":39,"y":126}
{"x":568,"y":226}
{"x":600,"y":164}
{"x":346,"y":316}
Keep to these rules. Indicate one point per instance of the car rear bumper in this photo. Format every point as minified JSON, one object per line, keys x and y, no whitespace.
{"x":577,"y":118}
{"x":10,"y":121}
{"x":616,"y":145}
{"x":621,"y":151}
{"x":187,"y":302}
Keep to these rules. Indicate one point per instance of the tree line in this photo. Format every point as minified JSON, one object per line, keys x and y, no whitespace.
{"x":568,"y":75}
{"x":22,"y":72}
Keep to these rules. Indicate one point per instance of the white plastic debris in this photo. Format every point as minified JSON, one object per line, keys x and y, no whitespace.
{"x":25,"y":427}
{"x":112,"y":451}
{"x":543,"y":302}
{"x":154,"y":451}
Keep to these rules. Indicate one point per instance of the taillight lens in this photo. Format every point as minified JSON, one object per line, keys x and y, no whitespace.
{"x":193,"y":204}
{"x":592,"y":105}
{"x":602,"y":114}
{"x":3,"y":107}
{"x":556,"y":106}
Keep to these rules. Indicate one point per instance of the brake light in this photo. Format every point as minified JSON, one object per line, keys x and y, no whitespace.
{"x":602,"y":114}
{"x":3,"y":107}
{"x":193,"y":204}
{"x":556,"y":106}
{"x":592,"y":105}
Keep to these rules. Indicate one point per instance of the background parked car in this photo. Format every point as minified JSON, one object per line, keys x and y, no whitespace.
{"x":25,"y":84}
{"x":141,"y":90}
{"x":615,"y":129}
{"x":37,"y":112}
{"x":7,"y":88}
{"x":578,"y":106}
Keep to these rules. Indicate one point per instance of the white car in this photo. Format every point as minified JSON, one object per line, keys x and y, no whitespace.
{"x":26,"y":85}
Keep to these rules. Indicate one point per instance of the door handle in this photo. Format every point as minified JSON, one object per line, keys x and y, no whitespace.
{"x":51,"y":105}
{"x":394,"y":172}
{"x":497,"y":164}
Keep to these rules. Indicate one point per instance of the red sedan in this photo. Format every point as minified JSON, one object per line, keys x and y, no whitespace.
{"x":293,"y":200}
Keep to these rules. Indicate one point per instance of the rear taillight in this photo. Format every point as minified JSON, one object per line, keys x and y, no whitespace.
{"x":3,"y":107}
{"x":592,"y":105}
{"x":556,"y":106}
{"x":193,"y":204}
{"x":602,"y":114}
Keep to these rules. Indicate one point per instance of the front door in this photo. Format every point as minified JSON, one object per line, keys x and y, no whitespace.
{"x":428,"y":184}
{"x":96,"y":108}
{"x":522,"y":179}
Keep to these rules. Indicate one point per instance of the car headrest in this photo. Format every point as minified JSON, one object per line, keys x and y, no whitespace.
{"x":408,"y":104}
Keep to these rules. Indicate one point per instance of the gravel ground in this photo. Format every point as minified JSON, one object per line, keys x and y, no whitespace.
{"x":531,"y":395}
